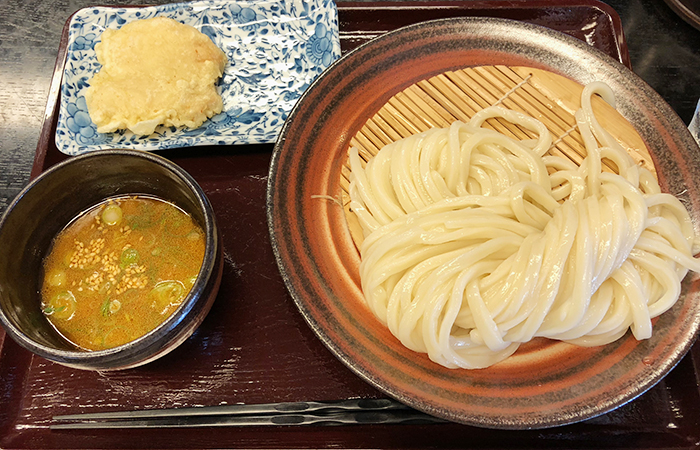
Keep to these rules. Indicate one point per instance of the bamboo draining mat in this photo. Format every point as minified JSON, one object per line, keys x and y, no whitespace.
{"x":439,"y":101}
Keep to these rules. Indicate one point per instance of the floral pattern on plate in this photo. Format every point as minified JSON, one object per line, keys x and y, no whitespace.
{"x":275,"y":50}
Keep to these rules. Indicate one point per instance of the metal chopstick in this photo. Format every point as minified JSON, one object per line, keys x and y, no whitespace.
{"x":248,"y":409}
{"x":341,"y":412}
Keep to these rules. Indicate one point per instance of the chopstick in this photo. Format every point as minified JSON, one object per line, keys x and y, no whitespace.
{"x":339,"y":412}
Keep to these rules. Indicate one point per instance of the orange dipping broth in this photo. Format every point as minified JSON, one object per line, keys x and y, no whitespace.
{"x":119,"y":270}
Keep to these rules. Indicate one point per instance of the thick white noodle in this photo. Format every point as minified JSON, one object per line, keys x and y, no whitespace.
{"x":476,"y":242}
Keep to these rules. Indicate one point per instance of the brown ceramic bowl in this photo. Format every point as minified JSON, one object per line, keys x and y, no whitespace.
{"x":49,"y":203}
{"x":546,"y":383}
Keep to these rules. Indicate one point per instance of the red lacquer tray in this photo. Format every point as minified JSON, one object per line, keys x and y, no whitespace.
{"x":255,"y":347}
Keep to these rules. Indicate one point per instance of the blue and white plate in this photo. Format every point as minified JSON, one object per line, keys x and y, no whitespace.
{"x":275,"y":50}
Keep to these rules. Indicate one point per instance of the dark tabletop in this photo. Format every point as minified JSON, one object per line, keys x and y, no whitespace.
{"x":664,"y":50}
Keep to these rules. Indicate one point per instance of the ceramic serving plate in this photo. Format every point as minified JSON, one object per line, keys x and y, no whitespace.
{"x":275,"y":50}
{"x":546,"y":383}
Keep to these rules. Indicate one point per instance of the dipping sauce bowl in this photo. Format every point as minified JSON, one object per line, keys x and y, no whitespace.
{"x":52,"y":201}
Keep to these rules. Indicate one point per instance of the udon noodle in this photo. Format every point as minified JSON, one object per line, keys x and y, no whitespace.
{"x":475,"y":242}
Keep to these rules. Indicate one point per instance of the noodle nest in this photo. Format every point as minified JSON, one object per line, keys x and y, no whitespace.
{"x":475,"y":242}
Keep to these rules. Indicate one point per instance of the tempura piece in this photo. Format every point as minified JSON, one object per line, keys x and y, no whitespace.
{"x":155,"y":71}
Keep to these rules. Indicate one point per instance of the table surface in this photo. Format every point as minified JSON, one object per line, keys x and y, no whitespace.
{"x":664,"y":51}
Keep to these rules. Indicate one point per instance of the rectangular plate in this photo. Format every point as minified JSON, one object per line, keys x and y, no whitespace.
{"x":275,"y":50}
{"x":255,"y":347}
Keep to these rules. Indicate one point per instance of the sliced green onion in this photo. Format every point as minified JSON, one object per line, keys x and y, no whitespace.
{"x":56,"y":278}
{"x":166,"y":294}
{"x":114,"y":306}
{"x":129,"y":256}
{"x":104,"y":308}
{"x":105,"y":287}
{"x":61,"y":306}
{"x":112,"y":215}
